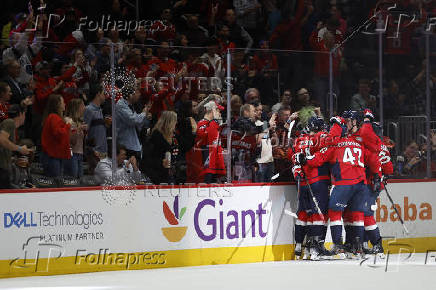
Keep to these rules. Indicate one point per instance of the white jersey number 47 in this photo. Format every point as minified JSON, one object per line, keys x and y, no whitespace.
{"x":351,"y":157}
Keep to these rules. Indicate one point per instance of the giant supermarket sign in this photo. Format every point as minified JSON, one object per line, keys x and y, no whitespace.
{"x":161,"y":227}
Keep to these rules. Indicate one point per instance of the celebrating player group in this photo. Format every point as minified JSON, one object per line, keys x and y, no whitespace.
{"x":339,"y":173}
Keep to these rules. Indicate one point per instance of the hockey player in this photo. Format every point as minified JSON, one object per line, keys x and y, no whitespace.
{"x":372,"y":165}
{"x":375,"y":185}
{"x":346,"y":159}
{"x":309,"y":221}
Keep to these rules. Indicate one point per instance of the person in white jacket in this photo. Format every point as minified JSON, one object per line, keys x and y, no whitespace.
{"x":127,"y":172}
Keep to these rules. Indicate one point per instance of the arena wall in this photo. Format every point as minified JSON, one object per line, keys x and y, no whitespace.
{"x":75,"y":230}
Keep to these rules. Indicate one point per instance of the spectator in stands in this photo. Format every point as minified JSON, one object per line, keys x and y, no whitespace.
{"x":128,"y":121}
{"x":96,"y":143}
{"x":265,"y":158}
{"x":7,"y":142}
{"x":336,"y":13}
{"x":280,"y":140}
{"x":288,"y":35}
{"x":159,"y":152}
{"x":20,"y":175}
{"x":302,"y":100}
{"x":266,"y":67}
{"x":5,"y":96}
{"x":285,"y":101}
{"x":245,"y":123}
{"x":23,"y":53}
{"x":206,"y":161}
{"x":55,"y":138}
{"x":213,"y":60}
{"x":223,"y":37}
{"x":252,"y":95}
{"x":396,"y":102}
{"x":246,"y":134}
{"x":47,"y":85}
{"x":237,"y":33}
{"x":164,"y":29}
{"x":235,"y":103}
{"x":412,"y":158}
{"x":103,"y":62}
{"x":84,"y":74}
{"x":324,"y":40}
{"x":363,"y":99}
{"x":114,"y":36}
{"x":74,"y":115}
{"x":247,"y":15}
{"x":185,"y":134}
{"x":197,"y":35}
{"x":127,"y":172}
{"x":13,"y":70}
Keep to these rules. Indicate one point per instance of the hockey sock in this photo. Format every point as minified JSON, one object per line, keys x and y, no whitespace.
{"x":349,"y":234}
{"x":372,"y":231}
{"x":358,"y":225}
{"x":318,"y":226}
{"x":324,"y":232}
{"x":301,"y":227}
{"x":348,"y":225}
{"x":336,"y":226}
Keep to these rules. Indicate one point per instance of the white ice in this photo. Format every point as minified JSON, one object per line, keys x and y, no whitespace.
{"x":402,"y":272}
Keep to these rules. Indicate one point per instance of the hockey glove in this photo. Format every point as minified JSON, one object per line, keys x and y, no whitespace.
{"x":300,"y":158}
{"x":337,"y":120}
{"x":367,"y":114}
{"x":297,"y":172}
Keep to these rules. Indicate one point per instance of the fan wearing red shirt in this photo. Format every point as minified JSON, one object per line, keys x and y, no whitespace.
{"x":47,"y":85}
{"x":55,"y":139}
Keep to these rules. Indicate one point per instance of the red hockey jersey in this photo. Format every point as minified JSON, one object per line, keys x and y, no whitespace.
{"x":346,"y":159}
{"x":207,"y":154}
{"x":369,"y":139}
{"x":309,"y":145}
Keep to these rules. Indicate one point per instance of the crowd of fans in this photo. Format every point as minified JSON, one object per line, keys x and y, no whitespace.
{"x":170,"y":88}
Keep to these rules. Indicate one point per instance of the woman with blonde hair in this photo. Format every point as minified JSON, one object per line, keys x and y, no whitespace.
{"x":74,"y":113}
{"x":159,"y":150}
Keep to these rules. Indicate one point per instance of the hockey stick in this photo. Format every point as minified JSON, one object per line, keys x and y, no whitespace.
{"x":289,"y":212}
{"x":315,"y":201}
{"x":280,"y":173}
{"x":396,"y":210}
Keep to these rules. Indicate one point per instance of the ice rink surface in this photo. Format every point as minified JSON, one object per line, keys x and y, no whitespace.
{"x":398,"y":272}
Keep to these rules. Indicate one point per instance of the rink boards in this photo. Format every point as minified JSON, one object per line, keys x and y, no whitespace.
{"x":48,"y":232}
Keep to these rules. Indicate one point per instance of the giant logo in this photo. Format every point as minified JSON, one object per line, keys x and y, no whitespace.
{"x":231,"y":224}
{"x":174,"y":234}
